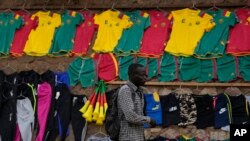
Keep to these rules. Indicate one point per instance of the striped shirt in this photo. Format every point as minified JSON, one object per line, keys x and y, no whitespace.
{"x":132,"y":123}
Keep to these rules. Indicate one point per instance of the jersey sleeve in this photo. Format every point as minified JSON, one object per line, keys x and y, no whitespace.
{"x":232,"y":19}
{"x":147,"y":20}
{"x":33,"y":16}
{"x":78,"y":19}
{"x":19,"y":21}
{"x":35,"y":22}
{"x":98,"y":19}
{"x":170,"y":18}
{"x":126,"y":22}
{"x":57,"y":19}
{"x":209,"y":22}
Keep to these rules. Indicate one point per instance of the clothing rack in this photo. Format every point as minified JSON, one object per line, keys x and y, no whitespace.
{"x":194,"y":84}
{"x":98,"y":7}
{"x":106,"y":4}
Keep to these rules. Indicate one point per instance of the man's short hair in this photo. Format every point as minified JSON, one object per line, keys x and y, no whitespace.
{"x":132,"y":68}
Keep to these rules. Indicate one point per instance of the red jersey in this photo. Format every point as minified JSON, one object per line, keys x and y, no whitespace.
{"x":21,"y":35}
{"x":156,"y":36}
{"x":239,"y":37}
{"x":84,"y":34}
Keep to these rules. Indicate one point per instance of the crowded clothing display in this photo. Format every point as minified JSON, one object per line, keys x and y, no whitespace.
{"x":185,"y":32}
{"x":153,"y":38}
{"x":204,"y":110}
{"x":39,"y":106}
{"x":177,"y":45}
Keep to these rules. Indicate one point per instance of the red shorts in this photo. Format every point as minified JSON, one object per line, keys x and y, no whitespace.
{"x":107,"y":66}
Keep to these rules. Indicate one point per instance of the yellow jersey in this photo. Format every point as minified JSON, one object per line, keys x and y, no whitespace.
{"x":40,"y":39}
{"x":188,"y":28}
{"x":110,"y":28}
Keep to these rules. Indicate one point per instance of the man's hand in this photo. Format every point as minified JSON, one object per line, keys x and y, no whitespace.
{"x":152,"y":123}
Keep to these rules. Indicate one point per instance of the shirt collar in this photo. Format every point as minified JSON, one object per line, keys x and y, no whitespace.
{"x":131,"y":85}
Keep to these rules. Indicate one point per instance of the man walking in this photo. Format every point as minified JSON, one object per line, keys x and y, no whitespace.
{"x":130,"y":105}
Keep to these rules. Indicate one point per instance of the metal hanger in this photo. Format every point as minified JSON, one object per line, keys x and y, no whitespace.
{"x":8,"y":10}
{"x":158,"y":6}
{"x":113,"y":5}
{"x":27,"y":67}
{"x":85,"y":6}
{"x":23,"y":7}
{"x":60,"y":67}
{"x":45,"y":5}
{"x":64,"y":4}
{"x":62,"y":9}
{"x":86,"y":9}
{"x":21,"y":96}
{"x":100,"y":133}
{"x":214,"y":7}
{"x":178,"y":89}
{"x":165,"y":13}
{"x":114,"y":9}
{"x":193,"y":5}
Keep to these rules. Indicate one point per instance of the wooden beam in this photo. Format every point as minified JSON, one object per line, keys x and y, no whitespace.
{"x":194,"y":84}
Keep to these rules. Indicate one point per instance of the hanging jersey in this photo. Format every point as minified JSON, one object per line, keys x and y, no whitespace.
{"x":84,"y":34}
{"x":188,"y":28}
{"x":9,"y":23}
{"x":21,"y":35}
{"x":213,"y":43}
{"x":64,"y":36}
{"x":130,"y":41}
{"x":239,"y":42}
{"x":40,"y":39}
{"x":110,"y":28}
{"x":155,"y":37}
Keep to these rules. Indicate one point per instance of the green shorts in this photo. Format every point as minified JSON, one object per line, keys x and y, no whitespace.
{"x":189,"y":68}
{"x":168,"y":68}
{"x":152,"y":68}
{"x":124,"y":62}
{"x":206,"y":70}
{"x":244,"y":67}
{"x":226,"y":68}
{"x":142,"y":61}
{"x":83,"y":70}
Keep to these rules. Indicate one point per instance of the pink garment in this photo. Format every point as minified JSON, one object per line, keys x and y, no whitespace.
{"x":21,"y":35}
{"x":18,"y":134}
{"x":44,"y":91}
{"x":84,"y":34}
